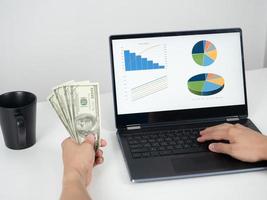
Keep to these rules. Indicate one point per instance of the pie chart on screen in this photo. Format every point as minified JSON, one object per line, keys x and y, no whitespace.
{"x":204,"y":53}
{"x":205,"y":84}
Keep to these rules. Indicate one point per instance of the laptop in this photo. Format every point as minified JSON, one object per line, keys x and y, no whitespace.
{"x":167,"y":88}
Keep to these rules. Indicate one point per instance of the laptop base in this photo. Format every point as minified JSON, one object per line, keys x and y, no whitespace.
{"x":184,"y":165}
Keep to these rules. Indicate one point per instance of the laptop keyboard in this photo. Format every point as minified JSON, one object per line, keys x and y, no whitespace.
{"x":165,"y":142}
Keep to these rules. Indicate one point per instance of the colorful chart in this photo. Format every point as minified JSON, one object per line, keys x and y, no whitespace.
{"x":205,"y":84}
{"x":204,"y":53}
{"x":135,"y":62}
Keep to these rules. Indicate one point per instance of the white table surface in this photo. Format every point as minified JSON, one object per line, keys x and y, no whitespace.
{"x":36,"y":173}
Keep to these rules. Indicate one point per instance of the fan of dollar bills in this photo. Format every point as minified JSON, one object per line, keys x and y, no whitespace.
{"x":77,"y":106}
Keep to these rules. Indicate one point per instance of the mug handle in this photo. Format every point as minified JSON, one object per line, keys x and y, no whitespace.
{"x":21,"y":130}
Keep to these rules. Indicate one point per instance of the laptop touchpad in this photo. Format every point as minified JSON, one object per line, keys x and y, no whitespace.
{"x":202,"y":162}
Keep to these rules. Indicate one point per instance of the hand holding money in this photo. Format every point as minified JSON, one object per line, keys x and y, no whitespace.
{"x":77,"y":106}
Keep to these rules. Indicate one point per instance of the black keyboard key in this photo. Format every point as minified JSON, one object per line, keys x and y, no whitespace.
{"x":169,"y":139}
{"x":133,"y":142}
{"x":186,"y":146}
{"x":155,"y":144}
{"x":187,"y":131}
{"x":162,"y":148}
{"x":169,"y":147}
{"x":134,"y":146}
{"x":145,"y":137}
{"x":154,"y":136}
{"x":178,"y":146}
{"x":154,"y":149}
{"x":136,"y":155}
{"x":179,"y":142}
{"x":146,"y":154}
{"x":147,"y":145}
{"x":139,"y":150}
{"x":163,"y":144}
{"x":151,"y":140}
{"x":154,"y":153}
{"x":184,"y":137}
{"x":143,"y":141}
{"x":195,"y":145}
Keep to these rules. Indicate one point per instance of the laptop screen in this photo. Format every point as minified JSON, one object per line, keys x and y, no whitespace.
{"x":177,"y":72}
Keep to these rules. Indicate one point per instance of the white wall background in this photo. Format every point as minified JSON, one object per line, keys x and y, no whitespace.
{"x":44,"y":43}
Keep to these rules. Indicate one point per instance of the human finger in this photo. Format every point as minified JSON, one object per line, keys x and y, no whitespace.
{"x":99,"y":153}
{"x":90,"y":139}
{"x":99,"y":160}
{"x":103,"y":143}
{"x":215,"y":135}
{"x":224,"y":126}
{"x":221,"y":148}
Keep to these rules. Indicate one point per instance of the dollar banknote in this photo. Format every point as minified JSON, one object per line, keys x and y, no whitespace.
{"x":77,"y":105}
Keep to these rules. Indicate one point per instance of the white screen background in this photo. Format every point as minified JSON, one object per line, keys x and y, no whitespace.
{"x":175,"y":53}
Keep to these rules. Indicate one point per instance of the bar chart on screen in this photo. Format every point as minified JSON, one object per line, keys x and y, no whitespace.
{"x":144,"y":70}
{"x":145,"y":57}
{"x":137,"y":62}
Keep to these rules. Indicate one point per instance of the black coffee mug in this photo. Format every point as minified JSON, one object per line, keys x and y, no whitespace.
{"x":18,"y":119}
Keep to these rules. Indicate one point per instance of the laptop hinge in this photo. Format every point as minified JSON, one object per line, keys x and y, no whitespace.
{"x":232,"y":118}
{"x":133,"y":126}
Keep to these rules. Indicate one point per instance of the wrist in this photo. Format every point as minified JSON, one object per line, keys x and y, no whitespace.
{"x":72,"y":177}
{"x":74,"y":186}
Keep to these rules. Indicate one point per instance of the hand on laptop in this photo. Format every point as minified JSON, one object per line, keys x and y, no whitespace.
{"x":244,"y":144}
{"x":79,"y":160}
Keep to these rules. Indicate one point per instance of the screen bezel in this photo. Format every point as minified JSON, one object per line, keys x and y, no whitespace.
{"x":123,"y":120}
